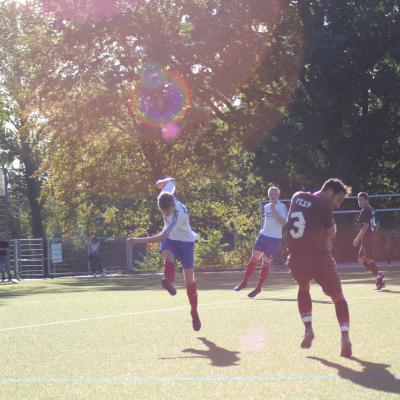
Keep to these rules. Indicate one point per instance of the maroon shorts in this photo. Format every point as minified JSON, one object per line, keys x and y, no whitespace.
{"x":321,"y":269}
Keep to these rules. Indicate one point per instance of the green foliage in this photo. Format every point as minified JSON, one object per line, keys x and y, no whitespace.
{"x":282,"y":92}
{"x":209,"y":252}
{"x":343,"y":120}
{"x":151,"y":261}
{"x":241,"y":254}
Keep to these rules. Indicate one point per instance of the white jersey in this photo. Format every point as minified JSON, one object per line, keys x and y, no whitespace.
{"x":177,"y":225}
{"x":272,"y":228}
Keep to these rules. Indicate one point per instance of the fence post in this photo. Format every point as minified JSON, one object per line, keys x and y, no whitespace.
{"x":44,"y":255}
{"x":49,"y":260}
{"x":16,"y":258}
{"x":129,"y":257}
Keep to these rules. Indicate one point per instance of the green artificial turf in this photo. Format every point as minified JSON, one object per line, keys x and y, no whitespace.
{"x":124,"y":337}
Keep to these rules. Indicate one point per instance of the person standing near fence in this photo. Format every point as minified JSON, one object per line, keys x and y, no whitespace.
{"x":5,"y":259}
{"x":365,"y":239}
{"x":94,"y":256}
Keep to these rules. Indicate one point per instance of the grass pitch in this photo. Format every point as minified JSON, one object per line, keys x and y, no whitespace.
{"x":124,"y":337}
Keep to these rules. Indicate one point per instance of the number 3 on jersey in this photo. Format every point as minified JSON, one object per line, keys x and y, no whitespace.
{"x":299,"y":224}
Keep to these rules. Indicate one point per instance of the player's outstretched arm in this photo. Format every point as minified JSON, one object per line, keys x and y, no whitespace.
{"x":161,"y":183}
{"x":148,"y":239}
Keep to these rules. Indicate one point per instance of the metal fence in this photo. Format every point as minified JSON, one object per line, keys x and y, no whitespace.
{"x":34,"y":258}
{"x":70,"y":256}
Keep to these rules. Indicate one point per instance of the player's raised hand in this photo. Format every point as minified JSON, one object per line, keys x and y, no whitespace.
{"x":161,"y":183}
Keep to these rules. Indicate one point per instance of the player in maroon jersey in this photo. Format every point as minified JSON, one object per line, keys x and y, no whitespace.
{"x":311,"y":228}
{"x":366,"y":238}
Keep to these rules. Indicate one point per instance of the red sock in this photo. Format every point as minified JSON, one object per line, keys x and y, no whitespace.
{"x":372,"y":267}
{"x":305,"y":307}
{"x":251,"y":266}
{"x":263,"y":275}
{"x":342,"y":312}
{"x":169,"y":271}
{"x":192,"y":295}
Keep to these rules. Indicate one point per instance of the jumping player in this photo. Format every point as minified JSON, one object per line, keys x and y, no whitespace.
{"x":311,"y":228}
{"x":366,"y":238}
{"x":268,"y":242}
{"x":177,"y":242}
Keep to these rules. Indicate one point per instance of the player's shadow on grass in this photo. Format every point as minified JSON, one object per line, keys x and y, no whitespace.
{"x":218,"y":356}
{"x":373,"y":376}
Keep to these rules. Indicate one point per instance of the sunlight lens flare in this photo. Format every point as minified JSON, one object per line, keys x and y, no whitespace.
{"x":161,"y":99}
{"x":253,"y":340}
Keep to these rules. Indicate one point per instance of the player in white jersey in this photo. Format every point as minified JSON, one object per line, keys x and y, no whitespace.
{"x":177,"y":242}
{"x":268,"y":243}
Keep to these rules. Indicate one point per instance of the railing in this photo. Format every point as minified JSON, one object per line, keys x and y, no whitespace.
{"x":70,"y":256}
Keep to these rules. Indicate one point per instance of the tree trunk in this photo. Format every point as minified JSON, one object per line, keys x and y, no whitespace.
{"x":33,"y":190}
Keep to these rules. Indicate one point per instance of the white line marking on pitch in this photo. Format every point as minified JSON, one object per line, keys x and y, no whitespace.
{"x":229,"y":304}
{"x":72,"y":321}
{"x":139,"y":379}
{"x":151,"y":379}
{"x":131,"y":314}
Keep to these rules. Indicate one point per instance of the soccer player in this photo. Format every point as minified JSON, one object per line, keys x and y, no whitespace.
{"x":268,"y":242}
{"x":366,"y":238}
{"x":310,"y":228}
{"x":177,"y":242}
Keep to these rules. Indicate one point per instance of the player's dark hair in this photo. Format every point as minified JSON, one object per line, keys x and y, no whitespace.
{"x":336,"y":185}
{"x":364,"y":195}
{"x":165,"y":201}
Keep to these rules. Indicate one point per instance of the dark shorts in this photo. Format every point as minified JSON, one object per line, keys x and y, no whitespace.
{"x":268,"y":245}
{"x":320,"y":269}
{"x":367,"y":249}
{"x":5,"y":263}
{"x":183,"y":251}
{"x":94,"y":257}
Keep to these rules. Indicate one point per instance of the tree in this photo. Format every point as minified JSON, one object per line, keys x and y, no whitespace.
{"x":22,"y":141}
{"x":343,"y":119}
{"x":98,"y":136}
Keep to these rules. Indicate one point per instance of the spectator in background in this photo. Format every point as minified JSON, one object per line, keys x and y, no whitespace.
{"x":94,"y":256}
{"x":5,"y":259}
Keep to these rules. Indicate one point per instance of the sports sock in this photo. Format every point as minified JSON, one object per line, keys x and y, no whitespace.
{"x":342,"y":313}
{"x":192,"y":295}
{"x":251,"y":266}
{"x":169,"y":271}
{"x":371,"y":266}
{"x":263,"y":275}
{"x":305,"y":307}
